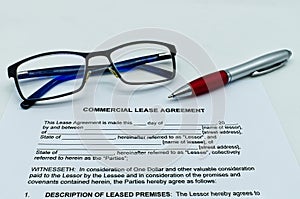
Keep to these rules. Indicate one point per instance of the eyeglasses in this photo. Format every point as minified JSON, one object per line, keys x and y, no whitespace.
{"x":57,"y":74}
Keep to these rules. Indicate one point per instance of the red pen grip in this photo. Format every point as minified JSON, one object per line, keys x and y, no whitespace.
{"x":209,"y":82}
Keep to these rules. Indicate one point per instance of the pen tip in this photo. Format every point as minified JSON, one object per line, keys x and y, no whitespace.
{"x":171,"y":96}
{"x":290,"y":53}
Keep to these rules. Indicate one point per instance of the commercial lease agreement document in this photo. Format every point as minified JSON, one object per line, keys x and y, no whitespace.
{"x":114,"y":142}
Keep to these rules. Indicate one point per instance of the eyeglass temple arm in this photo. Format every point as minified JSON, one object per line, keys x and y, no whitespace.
{"x":26,"y":104}
{"x":123,"y":66}
{"x":126,"y":65}
{"x":63,"y":78}
{"x":70,"y":73}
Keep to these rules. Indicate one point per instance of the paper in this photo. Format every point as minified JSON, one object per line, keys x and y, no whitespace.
{"x":114,"y":141}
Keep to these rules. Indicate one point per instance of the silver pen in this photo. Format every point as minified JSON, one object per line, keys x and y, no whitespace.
{"x":258,"y":66}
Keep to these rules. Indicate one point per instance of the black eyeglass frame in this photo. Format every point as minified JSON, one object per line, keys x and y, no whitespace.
{"x":12,"y":69}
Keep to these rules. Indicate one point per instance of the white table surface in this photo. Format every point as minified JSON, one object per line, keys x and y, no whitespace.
{"x":231,"y":31}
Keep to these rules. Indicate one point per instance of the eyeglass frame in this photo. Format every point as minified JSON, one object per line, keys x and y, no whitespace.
{"x":27,"y":103}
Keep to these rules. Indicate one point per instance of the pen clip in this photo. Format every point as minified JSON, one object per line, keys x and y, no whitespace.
{"x":268,"y":69}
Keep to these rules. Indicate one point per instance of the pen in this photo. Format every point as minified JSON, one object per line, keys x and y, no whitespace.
{"x":258,"y":66}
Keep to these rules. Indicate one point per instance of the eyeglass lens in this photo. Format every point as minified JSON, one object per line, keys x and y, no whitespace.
{"x":143,"y":63}
{"x":51,"y":75}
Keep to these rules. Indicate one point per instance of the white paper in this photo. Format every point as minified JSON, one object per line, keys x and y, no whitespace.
{"x":231,"y":146}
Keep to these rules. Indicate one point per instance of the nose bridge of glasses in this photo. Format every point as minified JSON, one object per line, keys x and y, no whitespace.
{"x":99,"y":64}
{"x":98,"y":60}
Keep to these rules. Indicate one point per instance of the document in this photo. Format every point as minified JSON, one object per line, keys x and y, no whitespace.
{"x":125,"y":142}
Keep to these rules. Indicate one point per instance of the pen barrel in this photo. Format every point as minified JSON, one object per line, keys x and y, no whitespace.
{"x":260,"y":65}
{"x":209,"y":82}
